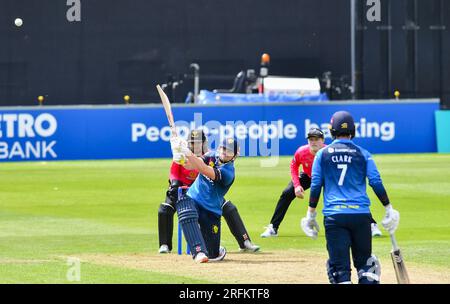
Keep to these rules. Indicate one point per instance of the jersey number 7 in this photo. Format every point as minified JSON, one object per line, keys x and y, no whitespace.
{"x":343,"y":167}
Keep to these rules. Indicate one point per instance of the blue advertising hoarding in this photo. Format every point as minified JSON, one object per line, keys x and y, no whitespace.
{"x":442,"y":131}
{"x":117,"y":132}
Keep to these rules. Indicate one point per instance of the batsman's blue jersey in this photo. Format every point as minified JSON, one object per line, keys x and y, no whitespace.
{"x":208,"y":193}
{"x":341,"y":168}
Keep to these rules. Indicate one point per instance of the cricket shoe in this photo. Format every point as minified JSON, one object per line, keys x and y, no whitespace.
{"x":375,"y":230}
{"x":249,"y":247}
{"x":164,"y":249}
{"x":222,"y":254}
{"x":269,"y":232}
{"x":201,"y":258}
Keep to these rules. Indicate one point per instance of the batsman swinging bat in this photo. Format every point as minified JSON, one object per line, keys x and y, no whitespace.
{"x":399,"y":265}
{"x":167,"y":108}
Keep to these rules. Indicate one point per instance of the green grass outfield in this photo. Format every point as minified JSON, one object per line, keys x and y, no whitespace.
{"x":52,"y":210}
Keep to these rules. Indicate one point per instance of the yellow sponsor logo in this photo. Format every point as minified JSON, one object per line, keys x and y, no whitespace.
{"x":215,"y":229}
{"x":211,"y":163}
{"x":344,"y":125}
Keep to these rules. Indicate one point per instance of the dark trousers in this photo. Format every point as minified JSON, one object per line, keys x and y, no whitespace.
{"x":237,"y":228}
{"x":286,"y":197}
{"x":210,"y":227}
{"x":165,"y":222}
{"x":345,"y":233}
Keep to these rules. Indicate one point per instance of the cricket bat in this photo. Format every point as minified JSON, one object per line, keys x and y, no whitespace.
{"x":168,"y":109}
{"x":399,"y":264}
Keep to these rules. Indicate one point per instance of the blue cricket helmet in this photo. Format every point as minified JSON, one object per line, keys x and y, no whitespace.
{"x":231,"y":144}
{"x":342,"y":123}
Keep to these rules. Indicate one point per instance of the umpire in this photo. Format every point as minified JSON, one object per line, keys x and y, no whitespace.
{"x":341,"y":168}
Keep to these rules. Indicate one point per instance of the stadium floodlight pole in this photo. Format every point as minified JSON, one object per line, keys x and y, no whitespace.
{"x":196,"y":68}
{"x":353,"y":45}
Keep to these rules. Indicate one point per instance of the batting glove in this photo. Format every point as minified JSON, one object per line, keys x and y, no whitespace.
{"x":179,"y":158}
{"x":309,"y":225}
{"x":177,"y":144}
{"x":185,"y":150}
{"x":391,"y":219}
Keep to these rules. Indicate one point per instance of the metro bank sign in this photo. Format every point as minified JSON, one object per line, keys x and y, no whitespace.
{"x":25,"y":136}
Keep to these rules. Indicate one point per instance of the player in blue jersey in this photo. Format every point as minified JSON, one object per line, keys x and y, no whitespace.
{"x":341,"y":169}
{"x":199,"y":211}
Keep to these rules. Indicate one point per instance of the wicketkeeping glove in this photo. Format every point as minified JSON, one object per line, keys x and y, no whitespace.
{"x":391,"y":219}
{"x":309,"y":225}
{"x":299,"y":192}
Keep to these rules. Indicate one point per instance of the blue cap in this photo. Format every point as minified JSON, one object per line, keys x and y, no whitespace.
{"x":230,"y":144}
{"x":342,"y":123}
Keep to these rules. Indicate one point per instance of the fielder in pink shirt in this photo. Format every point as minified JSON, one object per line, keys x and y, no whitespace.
{"x":300,"y":181}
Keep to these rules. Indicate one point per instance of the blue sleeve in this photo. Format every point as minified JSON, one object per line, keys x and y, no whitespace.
{"x":224,"y":175}
{"x":207,"y":157}
{"x":316,"y":180}
{"x":375,"y":179}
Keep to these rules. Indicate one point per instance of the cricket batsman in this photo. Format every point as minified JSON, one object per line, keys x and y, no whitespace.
{"x":185,"y":175}
{"x":200,"y":210}
{"x":341,"y":169}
